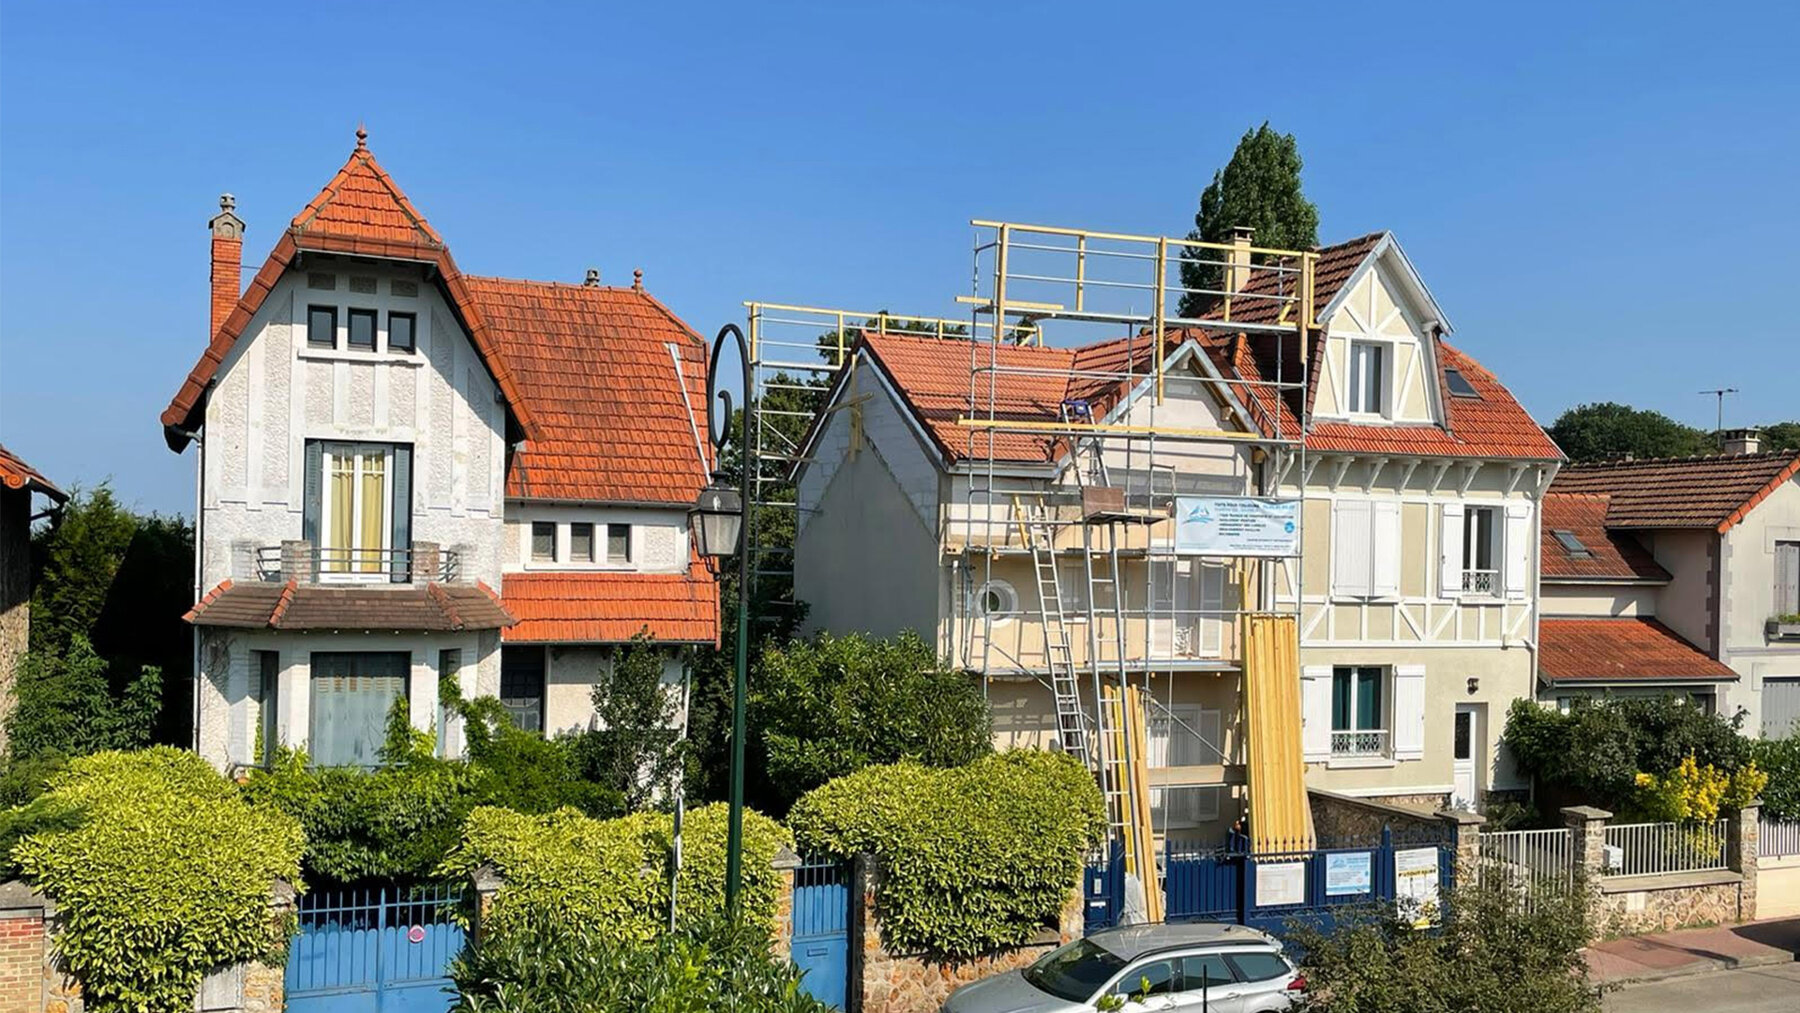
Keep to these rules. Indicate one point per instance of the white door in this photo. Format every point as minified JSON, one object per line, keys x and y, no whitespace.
{"x":1466,"y":743}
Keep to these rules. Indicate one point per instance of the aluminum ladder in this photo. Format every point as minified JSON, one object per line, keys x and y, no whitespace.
{"x":1039,"y":535}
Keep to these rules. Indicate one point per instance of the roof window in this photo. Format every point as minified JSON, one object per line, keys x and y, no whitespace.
{"x":1459,"y":384}
{"x":1568,"y":541}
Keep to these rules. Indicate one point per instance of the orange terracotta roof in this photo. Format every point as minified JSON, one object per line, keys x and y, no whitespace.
{"x":1621,"y":650}
{"x":290,"y":606}
{"x":612,"y":607}
{"x":595,"y":364}
{"x":1611,"y":555}
{"x":1691,"y":492}
{"x":361,"y":212}
{"x":933,"y":376}
{"x":16,"y":474}
{"x":1261,"y":301}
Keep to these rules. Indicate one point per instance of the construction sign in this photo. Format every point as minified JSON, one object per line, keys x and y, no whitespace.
{"x":1237,"y":526}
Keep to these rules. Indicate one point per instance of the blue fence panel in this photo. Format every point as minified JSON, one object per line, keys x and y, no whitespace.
{"x":820,"y":947}
{"x":375,"y":949}
{"x":1202,"y":884}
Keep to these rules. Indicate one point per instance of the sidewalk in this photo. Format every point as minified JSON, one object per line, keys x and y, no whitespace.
{"x":1691,"y":951}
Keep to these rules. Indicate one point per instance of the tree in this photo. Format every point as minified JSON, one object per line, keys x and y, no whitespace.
{"x":1607,"y":430}
{"x":77,"y":555}
{"x":1260,"y":188}
{"x":67,"y":706}
{"x":637,"y":750}
{"x":1596,"y":751}
{"x":1782,"y":436}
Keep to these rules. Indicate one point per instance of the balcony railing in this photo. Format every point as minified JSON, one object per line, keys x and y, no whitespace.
{"x":309,"y":563}
{"x":1363,"y":742}
{"x":1480,"y":581}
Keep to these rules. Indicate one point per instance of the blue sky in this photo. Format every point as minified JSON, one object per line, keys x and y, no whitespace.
{"x":1601,"y":196}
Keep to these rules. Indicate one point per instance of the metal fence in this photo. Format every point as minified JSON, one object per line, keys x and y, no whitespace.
{"x":1777,"y":840}
{"x":1527,"y":858}
{"x":1648,"y":849}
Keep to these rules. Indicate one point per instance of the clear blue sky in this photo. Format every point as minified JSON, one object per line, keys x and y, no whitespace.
{"x":1602,"y":196}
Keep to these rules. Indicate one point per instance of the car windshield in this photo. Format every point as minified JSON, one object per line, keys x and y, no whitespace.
{"x":1075,"y":971}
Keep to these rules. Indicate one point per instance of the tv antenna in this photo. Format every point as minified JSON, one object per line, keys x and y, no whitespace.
{"x":1719,"y":394}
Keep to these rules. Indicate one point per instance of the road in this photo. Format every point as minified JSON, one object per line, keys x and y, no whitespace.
{"x":1752,"y":990}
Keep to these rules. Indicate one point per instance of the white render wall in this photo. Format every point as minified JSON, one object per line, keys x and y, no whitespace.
{"x":659,"y":537}
{"x":1747,"y":595}
{"x":273,"y":393}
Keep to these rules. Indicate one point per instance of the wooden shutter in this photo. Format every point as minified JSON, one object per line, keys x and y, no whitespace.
{"x":1409,"y":712}
{"x":1450,"y":540}
{"x":1516,"y":552}
{"x":1350,"y":548}
{"x":401,"y":536}
{"x":1787,"y":578}
{"x":312,"y":482}
{"x":1315,"y":712}
{"x":1385,"y":543}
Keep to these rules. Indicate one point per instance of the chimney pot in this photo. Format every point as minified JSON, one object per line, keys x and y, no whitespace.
{"x":1237,"y":260}
{"x":593,"y":278}
{"x":1737,"y":442}
{"x":637,"y":280}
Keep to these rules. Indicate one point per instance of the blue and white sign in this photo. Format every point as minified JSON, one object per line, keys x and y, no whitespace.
{"x":1347,"y":873}
{"x":1237,"y":526}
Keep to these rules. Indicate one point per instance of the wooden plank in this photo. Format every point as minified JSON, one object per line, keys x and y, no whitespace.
{"x":1275,"y":772}
{"x":1142,"y":832}
{"x":1205,"y":776}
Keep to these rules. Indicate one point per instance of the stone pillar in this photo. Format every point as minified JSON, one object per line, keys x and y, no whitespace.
{"x":485,"y":881}
{"x":297,"y":562}
{"x":1587,"y":836}
{"x":1465,"y":837}
{"x":1742,"y":830}
{"x":786,"y":863}
{"x":23,"y":915}
{"x":868,"y":958}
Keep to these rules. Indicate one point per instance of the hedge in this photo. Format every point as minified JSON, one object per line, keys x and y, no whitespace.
{"x":567,"y":872}
{"x":162,"y":874}
{"x":973,"y":858}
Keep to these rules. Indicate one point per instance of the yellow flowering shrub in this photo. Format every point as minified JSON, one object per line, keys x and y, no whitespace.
{"x":1695,"y":793}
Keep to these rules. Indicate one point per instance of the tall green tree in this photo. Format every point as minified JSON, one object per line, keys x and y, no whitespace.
{"x":637,"y":750}
{"x":1260,"y":188}
{"x":1782,"y":436}
{"x":1608,"y":430}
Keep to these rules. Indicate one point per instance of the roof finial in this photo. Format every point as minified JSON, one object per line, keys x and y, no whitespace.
{"x":362,"y":137}
{"x":227,"y":202}
{"x":637,"y":279}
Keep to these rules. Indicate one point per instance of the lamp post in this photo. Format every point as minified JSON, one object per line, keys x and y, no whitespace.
{"x":720,"y":523}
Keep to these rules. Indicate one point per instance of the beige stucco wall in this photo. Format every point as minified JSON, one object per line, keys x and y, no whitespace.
{"x":1685,"y":604}
{"x":1748,"y":595}
{"x":1599,"y":600}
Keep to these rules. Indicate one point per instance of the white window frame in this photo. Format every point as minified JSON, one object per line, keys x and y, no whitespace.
{"x":1363,"y":743}
{"x":595,"y":551}
{"x":329,"y":453}
{"x":556,"y":544}
{"x":1353,"y":377}
{"x":1163,"y":733}
{"x":1472,"y":579}
{"x":603,"y":550}
{"x":1009,"y":596}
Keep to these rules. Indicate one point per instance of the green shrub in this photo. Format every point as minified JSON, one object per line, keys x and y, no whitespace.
{"x":1598,"y":748}
{"x":564,"y":870}
{"x":973,"y":857}
{"x":712,"y":965}
{"x":832,"y":706}
{"x":66,"y":703}
{"x":163,"y":874}
{"x":1780,"y":759}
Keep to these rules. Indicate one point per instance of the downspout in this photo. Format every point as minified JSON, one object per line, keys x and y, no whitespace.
{"x":199,"y":567}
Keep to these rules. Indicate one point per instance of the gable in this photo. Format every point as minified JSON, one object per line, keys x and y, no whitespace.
{"x":1375,"y":308}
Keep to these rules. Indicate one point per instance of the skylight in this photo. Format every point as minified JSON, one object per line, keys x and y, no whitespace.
{"x":1459,"y":384}
{"x":1568,"y":541}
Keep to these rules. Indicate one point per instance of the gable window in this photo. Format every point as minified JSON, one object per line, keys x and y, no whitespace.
{"x":402,"y":328}
{"x":321,"y":326}
{"x":1787,"y":578}
{"x":581,"y":542}
{"x":352,"y":692}
{"x":362,"y":329}
{"x":1368,"y":378}
{"x":1358,"y":710}
{"x":543,"y":542}
{"x":1480,"y":554}
{"x":618,"y":543}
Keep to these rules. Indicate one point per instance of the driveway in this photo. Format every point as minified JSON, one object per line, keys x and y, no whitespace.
{"x":1749,"y":990}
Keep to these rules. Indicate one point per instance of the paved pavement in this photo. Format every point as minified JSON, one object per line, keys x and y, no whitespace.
{"x":1696,"y":951}
{"x":1772,"y":988}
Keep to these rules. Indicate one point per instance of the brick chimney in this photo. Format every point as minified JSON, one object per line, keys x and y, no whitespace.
{"x":227,"y":260}
{"x":1740,"y":441}
{"x":1237,"y":261}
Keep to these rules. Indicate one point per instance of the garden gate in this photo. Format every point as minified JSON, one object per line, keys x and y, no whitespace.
{"x":820,"y":947}
{"x":377,"y":949}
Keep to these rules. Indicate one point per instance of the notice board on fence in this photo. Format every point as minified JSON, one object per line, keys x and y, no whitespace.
{"x":1237,"y":526}
{"x":1347,"y":873}
{"x":1279,"y":884}
{"x":1416,"y":885}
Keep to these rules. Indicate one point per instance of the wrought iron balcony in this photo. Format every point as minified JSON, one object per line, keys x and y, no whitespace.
{"x":1364,"y":742}
{"x":1481,"y":581}
{"x":308,"y":563}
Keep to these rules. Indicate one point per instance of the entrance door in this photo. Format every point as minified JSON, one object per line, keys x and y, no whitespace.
{"x":1467,"y":736}
{"x":382,"y":949}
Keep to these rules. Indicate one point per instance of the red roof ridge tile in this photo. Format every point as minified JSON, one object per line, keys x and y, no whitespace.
{"x":16,"y":474}
{"x":282,"y":603}
{"x":444,"y":604}
{"x":207,"y":599}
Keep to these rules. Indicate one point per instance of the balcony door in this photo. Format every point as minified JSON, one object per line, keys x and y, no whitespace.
{"x":359,"y":509}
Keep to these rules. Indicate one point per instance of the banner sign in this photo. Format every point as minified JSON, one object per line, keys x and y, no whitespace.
{"x":1347,"y":873}
{"x":1416,"y":885}
{"x":1236,"y":526}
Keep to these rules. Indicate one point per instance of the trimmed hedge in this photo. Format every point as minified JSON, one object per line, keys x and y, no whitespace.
{"x":973,"y":858}
{"x":567,"y":872}
{"x":162,"y":873}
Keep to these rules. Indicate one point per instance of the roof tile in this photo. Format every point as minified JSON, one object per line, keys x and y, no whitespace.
{"x":1621,"y":649}
{"x":1612,"y":555}
{"x":16,"y":474}
{"x":612,"y":607}
{"x":1690,"y":492}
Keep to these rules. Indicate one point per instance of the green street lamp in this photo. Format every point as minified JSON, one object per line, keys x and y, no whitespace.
{"x":720,"y":523}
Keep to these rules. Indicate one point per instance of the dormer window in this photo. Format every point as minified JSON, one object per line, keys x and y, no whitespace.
{"x":1368,"y":378}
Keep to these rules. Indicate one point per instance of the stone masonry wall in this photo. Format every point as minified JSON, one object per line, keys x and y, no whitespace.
{"x":1338,"y":816}
{"x":1635,"y":912}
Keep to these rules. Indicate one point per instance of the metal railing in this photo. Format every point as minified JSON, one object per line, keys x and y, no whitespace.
{"x":1365,"y":742}
{"x":1527,"y":859}
{"x":1480,"y":581}
{"x":1649,"y":849}
{"x":325,"y":564}
{"x":1777,"y":840}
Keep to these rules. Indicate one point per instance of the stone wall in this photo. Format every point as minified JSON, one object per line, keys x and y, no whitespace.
{"x":1337,"y":816}
{"x":1634,"y":905}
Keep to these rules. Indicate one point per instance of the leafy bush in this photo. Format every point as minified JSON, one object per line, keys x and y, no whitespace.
{"x":1598,"y":748}
{"x":832,"y":706}
{"x":1498,"y":952}
{"x":973,"y":857}
{"x":162,"y":873}
{"x":66,"y":704}
{"x":1692,"y":793}
{"x":1781,"y":759}
{"x":713,"y":965}
{"x":563,"y":871}
{"x":637,"y":750}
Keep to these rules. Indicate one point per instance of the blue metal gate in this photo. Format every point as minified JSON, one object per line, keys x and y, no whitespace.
{"x":820,"y":947}
{"x":378,"y":949}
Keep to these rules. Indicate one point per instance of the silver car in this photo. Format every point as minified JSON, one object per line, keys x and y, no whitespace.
{"x":1200,"y":967}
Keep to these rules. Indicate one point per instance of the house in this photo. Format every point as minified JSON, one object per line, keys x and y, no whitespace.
{"x":408,"y":474}
{"x":1673,"y":576}
{"x":1414,"y":583}
{"x":19,"y":482}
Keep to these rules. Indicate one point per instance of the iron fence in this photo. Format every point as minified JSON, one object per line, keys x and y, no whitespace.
{"x":1527,"y":859}
{"x":1777,"y":840}
{"x":1649,"y":849}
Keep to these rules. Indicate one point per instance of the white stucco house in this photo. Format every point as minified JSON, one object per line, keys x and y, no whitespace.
{"x":405,"y":473}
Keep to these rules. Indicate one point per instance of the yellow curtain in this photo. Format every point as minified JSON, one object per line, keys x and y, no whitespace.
{"x":335,"y":558}
{"x":374,"y":478}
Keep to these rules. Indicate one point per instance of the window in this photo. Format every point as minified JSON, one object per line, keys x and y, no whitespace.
{"x":1480,"y":543}
{"x":449,"y":670}
{"x":1156,"y":977}
{"x":401,"y":332}
{"x":362,"y":329}
{"x":1787,"y":578}
{"x":1184,"y":735}
{"x":1204,"y":971}
{"x":1459,"y":384}
{"x":1260,"y":966}
{"x":321,"y":326}
{"x":1571,"y":544}
{"x":1706,"y":702}
{"x":268,"y":684}
{"x":1074,"y":970}
{"x":1358,"y":712}
{"x":543,"y":542}
{"x":618,"y":543}
{"x":357,"y":507}
{"x":522,"y":685}
{"x":1368,"y":380}
{"x":581,"y":542}
{"x":352,"y":692}
{"x":998,"y":600}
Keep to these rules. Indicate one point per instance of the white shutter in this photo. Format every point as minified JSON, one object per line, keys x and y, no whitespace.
{"x":1210,"y":748}
{"x":1350,"y":546}
{"x":1517,"y":549}
{"x":1315,"y":712}
{"x":1409,"y":712}
{"x":1787,"y":578}
{"x":1212,"y":602}
{"x":1450,"y":539}
{"x":1385,"y":541}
